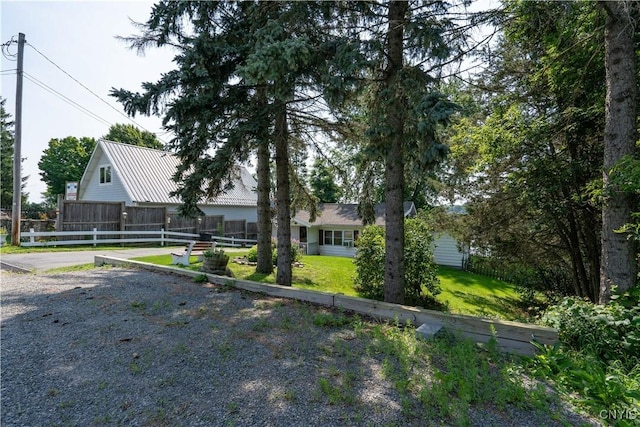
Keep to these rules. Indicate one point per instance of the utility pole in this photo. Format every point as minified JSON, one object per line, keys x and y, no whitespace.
{"x":17,"y":152}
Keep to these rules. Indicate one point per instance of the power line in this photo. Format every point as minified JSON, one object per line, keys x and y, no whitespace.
{"x":90,"y":91}
{"x":66,"y":99}
{"x":5,"y":50}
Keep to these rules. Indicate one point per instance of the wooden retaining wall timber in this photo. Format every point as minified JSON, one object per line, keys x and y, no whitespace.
{"x":514,"y":337}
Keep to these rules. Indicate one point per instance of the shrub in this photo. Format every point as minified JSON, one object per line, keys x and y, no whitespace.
{"x":369,"y":260}
{"x":296,"y":253}
{"x":599,"y":353}
{"x":608,"y":332}
{"x":252,"y":255}
{"x":421,"y":281}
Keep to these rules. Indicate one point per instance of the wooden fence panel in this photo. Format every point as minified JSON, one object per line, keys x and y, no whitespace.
{"x":80,"y":215}
{"x":213,"y":224}
{"x":180,"y":224}
{"x":145,"y":218}
{"x":237,"y":228}
{"x":252,"y":230}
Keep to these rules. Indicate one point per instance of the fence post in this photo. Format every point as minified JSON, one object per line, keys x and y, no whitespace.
{"x":32,"y":239}
{"x":95,"y":236}
{"x":162,"y":236}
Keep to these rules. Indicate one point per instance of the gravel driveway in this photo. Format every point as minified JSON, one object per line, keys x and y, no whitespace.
{"x":113,"y":346}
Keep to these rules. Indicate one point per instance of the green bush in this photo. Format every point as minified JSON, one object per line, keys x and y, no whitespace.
{"x":252,"y":255}
{"x":421,"y":281}
{"x":598,"y":358}
{"x":296,"y":253}
{"x":608,"y":332}
{"x":369,"y":260}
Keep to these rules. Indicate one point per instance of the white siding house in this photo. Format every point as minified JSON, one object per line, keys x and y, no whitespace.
{"x":140,"y":176}
{"x":338,"y":225}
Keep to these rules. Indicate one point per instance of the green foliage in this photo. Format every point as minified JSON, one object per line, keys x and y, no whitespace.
{"x":369,"y":261}
{"x":323,"y":184}
{"x":215,"y":253}
{"x":200,"y":278}
{"x":598,"y":359}
{"x":626,"y":177}
{"x":64,"y":160}
{"x":6,"y":160}
{"x":130,"y":134}
{"x":252,"y":255}
{"x":445,"y":376}
{"x":553,"y":282}
{"x":600,"y":387}
{"x":525,"y":156}
{"x":420,"y":268}
{"x":296,"y":252}
{"x":421,"y":281}
{"x":607,"y":332}
{"x":331,"y":320}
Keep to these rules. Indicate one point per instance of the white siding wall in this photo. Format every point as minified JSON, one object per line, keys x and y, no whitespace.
{"x":334,"y":250}
{"x":250,"y":213}
{"x":343,"y":251}
{"x":445,"y":247}
{"x":446,"y":251}
{"x":113,"y":192}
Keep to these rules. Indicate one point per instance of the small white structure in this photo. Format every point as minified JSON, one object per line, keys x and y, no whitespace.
{"x":448,"y":251}
{"x":142,"y":176}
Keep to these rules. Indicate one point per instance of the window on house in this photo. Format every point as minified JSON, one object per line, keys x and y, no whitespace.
{"x":328,"y":237}
{"x":338,"y":237}
{"x":348,"y":238}
{"x":105,"y":174}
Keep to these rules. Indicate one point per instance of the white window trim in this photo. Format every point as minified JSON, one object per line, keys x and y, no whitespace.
{"x":105,"y":167}
{"x":345,"y":243}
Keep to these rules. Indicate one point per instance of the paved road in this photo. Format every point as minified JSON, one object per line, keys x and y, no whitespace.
{"x":43,"y":261}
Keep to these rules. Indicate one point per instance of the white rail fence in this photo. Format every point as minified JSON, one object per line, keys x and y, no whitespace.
{"x":95,"y":237}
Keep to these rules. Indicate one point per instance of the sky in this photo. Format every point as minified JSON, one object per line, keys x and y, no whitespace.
{"x":80,"y":38}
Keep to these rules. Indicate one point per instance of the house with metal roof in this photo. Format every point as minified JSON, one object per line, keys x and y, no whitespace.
{"x":141,"y":176}
{"x":337,"y":226}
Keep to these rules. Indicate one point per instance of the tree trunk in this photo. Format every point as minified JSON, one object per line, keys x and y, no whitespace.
{"x":265,"y":263}
{"x":283,"y":274}
{"x":394,"y":186}
{"x":618,"y":267}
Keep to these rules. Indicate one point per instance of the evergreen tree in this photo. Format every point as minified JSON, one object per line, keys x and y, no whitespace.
{"x":6,"y":157}
{"x":404,"y":46}
{"x":247,"y":74}
{"x":619,"y":252}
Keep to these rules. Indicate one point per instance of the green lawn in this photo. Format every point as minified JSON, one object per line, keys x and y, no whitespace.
{"x":469,"y":293}
{"x":462,"y":292}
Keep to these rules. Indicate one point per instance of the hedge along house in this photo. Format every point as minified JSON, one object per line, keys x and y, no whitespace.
{"x":142,"y":177}
{"x":337,"y":227}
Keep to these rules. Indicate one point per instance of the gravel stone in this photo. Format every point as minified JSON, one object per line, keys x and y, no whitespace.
{"x":113,"y":346}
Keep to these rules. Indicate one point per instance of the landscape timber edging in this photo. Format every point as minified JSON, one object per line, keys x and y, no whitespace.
{"x":511,"y":336}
